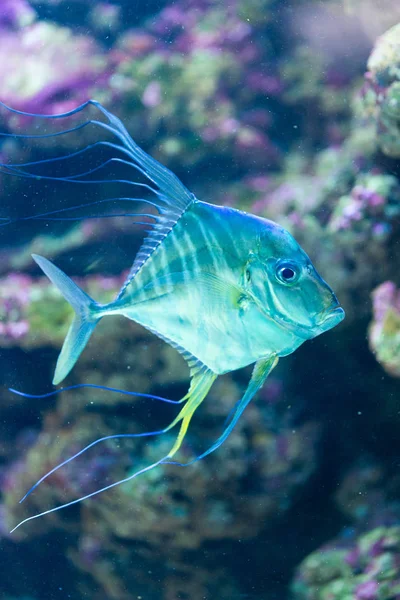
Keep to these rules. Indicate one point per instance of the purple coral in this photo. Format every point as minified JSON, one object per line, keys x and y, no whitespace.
{"x":367,"y":591}
{"x":28,"y":305}
{"x":384,"y":331}
{"x":220,"y":94}
{"x":48,"y":69}
{"x":380,"y":96}
{"x":372,"y":573}
{"x":372,"y":205}
{"x":16,"y":13}
{"x":14,"y":297}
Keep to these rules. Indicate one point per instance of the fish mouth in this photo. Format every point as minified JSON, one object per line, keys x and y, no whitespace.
{"x":332,"y":318}
{"x":302,"y":331}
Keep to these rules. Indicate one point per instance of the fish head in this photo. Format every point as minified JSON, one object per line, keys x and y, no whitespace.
{"x":285,"y":285}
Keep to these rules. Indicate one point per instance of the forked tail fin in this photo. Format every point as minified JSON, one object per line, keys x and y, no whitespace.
{"x":83,"y":324}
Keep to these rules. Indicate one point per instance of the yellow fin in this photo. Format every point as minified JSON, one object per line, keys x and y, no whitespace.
{"x":200,"y":385}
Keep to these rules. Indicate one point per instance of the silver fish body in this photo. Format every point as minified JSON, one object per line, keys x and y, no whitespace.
{"x":196,"y":290}
{"x":223,"y":287}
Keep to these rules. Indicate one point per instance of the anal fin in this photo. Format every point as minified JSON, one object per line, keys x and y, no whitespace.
{"x":200,"y":385}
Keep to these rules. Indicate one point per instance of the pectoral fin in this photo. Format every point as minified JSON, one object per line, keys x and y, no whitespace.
{"x":219,"y":289}
{"x":216,"y":291}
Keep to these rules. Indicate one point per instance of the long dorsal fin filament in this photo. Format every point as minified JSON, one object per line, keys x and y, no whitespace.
{"x":172,"y":198}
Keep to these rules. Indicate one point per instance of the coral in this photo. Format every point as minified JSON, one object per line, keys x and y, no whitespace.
{"x":33,"y":314}
{"x":14,"y":299}
{"x":384,"y":331}
{"x":170,"y":511}
{"x":16,"y":13}
{"x":363,"y":561}
{"x":219,"y":96}
{"x":211,"y":55}
{"x":365,"y":567}
{"x":254,"y":113}
{"x":373,"y":204}
{"x":48,"y":69}
{"x":380,"y":98}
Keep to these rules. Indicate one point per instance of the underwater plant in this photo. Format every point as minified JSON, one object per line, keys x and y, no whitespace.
{"x":225,"y":288}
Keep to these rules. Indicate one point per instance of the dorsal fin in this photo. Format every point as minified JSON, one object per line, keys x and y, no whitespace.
{"x":171,"y":200}
{"x":174,"y":197}
{"x":159,"y":231}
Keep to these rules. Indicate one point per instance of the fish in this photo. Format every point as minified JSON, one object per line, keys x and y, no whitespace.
{"x":223,"y":287}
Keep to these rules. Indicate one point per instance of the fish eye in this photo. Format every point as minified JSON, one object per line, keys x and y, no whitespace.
{"x":287,"y":272}
{"x":248,"y":275}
